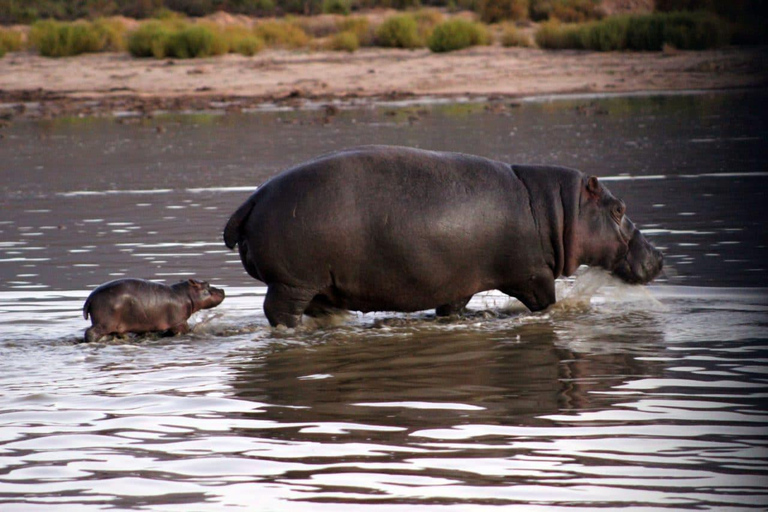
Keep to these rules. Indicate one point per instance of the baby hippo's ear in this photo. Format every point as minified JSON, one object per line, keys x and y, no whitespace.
{"x":593,"y":187}
{"x":195,"y":283}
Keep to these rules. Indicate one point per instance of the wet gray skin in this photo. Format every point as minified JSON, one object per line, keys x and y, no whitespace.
{"x":386,"y":228}
{"x":139,"y":306}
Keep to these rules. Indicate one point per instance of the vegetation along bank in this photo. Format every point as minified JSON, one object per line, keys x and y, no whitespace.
{"x":204,"y":28}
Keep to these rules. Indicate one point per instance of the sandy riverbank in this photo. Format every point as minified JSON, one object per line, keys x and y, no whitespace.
{"x":101,"y":84}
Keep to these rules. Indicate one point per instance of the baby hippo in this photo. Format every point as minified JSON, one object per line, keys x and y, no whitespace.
{"x":138,"y":306}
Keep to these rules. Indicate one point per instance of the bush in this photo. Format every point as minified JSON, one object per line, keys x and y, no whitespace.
{"x":399,"y":31}
{"x":650,"y":32}
{"x":248,"y":46}
{"x":554,"y":35}
{"x":56,"y":39}
{"x":10,"y":41}
{"x":282,"y":33}
{"x":344,"y":41}
{"x":358,"y":25}
{"x":111,"y":34}
{"x":179,"y":40}
{"x":492,"y":11}
{"x":195,"y":41}
{"x":608,"y":35}
{"x":456,"y":34}
{"x":511,"y":36}
{"x":240,"y":39}
{"x":694,"y":31}
{"x":150,"y":40}
{"x":751,"y":12}
{"x":336,"y":7}
{"x":426,"y":21}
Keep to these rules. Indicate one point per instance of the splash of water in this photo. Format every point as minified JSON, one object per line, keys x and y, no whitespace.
{"x":596,"y":286}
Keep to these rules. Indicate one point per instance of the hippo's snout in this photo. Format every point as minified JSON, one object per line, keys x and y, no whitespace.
{"x":642,"y":264}
{"x":216,"y":297}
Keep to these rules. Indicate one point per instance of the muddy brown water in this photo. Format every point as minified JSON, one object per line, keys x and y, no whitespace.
{"x":645,"y":397}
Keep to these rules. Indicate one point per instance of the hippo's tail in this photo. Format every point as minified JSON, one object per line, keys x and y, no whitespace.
{"x":87,"y":307}
{"x":232,"y":229}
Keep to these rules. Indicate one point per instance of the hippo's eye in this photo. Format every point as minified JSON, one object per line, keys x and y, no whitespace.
{"x":618,"y":211}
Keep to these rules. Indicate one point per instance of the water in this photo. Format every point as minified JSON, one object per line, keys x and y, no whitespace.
{"x":643,"y":397}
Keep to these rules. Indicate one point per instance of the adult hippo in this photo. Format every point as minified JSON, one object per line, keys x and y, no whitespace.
{"x":381,"y":228}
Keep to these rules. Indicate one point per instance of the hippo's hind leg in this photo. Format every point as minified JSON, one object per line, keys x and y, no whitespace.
{"x":321,"y":306}
{"x":94,"y":334}
{"x":452,"y":308}
{"x":284,"y":304}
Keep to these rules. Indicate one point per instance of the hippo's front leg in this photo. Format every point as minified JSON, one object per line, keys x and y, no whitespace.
{"x":453,"y":308}
{"x":537,"y":294}
{"x":182,"y":328}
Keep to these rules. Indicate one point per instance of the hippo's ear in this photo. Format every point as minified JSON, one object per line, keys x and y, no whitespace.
{"x":195,"y":283}
{"x":593,"y":187}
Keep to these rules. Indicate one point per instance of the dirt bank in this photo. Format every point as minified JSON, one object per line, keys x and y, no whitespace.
{"x":33,"y":86}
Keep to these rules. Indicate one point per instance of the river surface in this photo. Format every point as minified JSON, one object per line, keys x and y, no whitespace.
{"x":643,"y":397}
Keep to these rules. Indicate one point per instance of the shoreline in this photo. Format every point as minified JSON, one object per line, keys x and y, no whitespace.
{"x":115,"y":84}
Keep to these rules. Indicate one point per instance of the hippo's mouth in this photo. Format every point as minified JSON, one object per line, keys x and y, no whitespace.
{"x":624,"y":272}
{"x":639,"y":272}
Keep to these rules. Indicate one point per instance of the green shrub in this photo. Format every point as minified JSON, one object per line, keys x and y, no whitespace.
{"x":10,"y":40}
{"x":511,"y":36}
{"x":248,"y":46}
{"x":750,"y":12}
{"x":344,"y":41}
{"x":649,"y":32}
{"x":399,"y":31}
{"x":242,"y":40}
{"x":358,"y":25}
{"x":695,"y":31}
{"x":112,"y":34}
{"x":683,"y":30}
{"x":282,"y":33}
{"x":605,"y":36}
{"x":336,"y":7}
{"x":195,"y":41}
{"x":492,"y":11}
{"x":150,"y":40}
{"x":554,"y":35}
{"x":426,"y":21}
{"x":456,"y":34}
{"x":56,"y":39}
